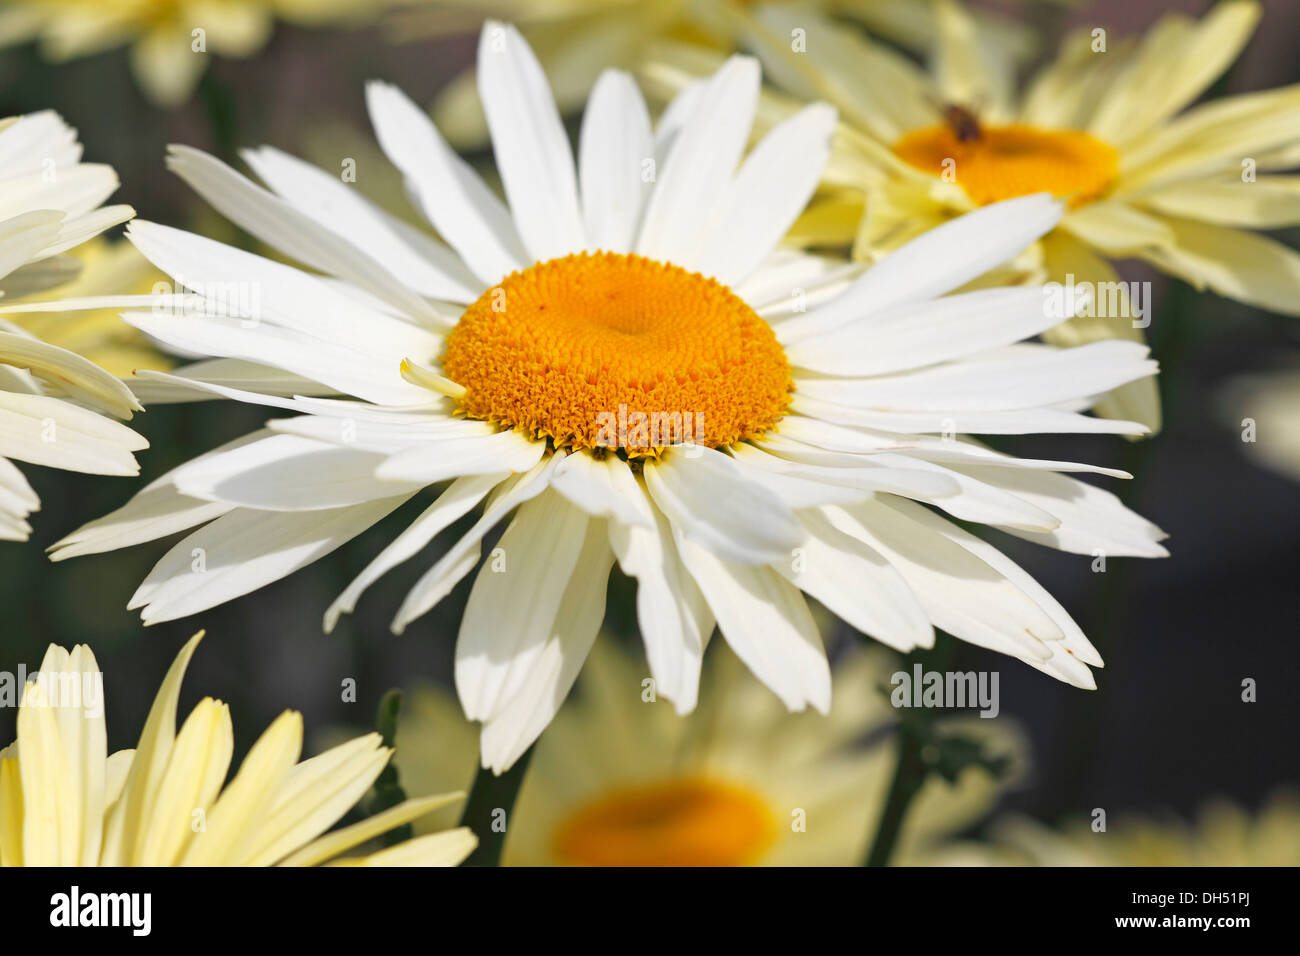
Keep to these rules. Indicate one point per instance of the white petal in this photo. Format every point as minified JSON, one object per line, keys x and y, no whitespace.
{"x":675,"y":621}
{"x":768,"y":194}
{"x":766,"y":621}
{"x":927,"y":333}
{"x":857,"y":584}
{"x":512,"y":607}
{"x":702,"y":159}
{"x":429,"y":462}
{"x":514,"y":727}
{"x":431,"y":269}
{"x":437,"y":582}
{"x":935,"y":263}
{"x":613,"y":148}
{"x":244,"y":550}
{"x":288,"y":473}
{"x":705,"y":495}
{"x":457,"y":203}
{"x":604,"y":488}
{"x":454,"y":503}
{"x":283,"y":227}
{"x":530,"y":145}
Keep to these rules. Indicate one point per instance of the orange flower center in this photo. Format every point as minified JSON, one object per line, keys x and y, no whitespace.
{"x":620,"y":352}
{"x":685,"y":822}
{"x":1002,"y":162}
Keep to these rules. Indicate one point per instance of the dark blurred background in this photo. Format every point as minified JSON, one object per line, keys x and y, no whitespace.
{"x":1167,"y":727}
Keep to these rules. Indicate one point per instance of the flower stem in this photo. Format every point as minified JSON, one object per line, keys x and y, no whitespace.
{"x":489,"y":808}
{"x":911,"y":769}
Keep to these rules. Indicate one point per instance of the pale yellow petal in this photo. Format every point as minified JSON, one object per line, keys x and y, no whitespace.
{"x":195,"y":773}
{"x":1069,"y":260}
{"x":1116,"y":228}
{"x":340,"y":841}
{"x":231,"y":824}
{"x":1176,"y":62}
{"x":1268,"y":202}
{"x":123,"y":836}
{"x":449,"y":848}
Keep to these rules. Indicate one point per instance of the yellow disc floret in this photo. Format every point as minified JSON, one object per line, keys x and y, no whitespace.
{"x":620,"y":352}
{"x":684,"y":822}
{"x":1002,"y":162}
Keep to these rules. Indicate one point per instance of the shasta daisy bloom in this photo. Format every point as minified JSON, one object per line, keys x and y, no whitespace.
{"x":577,"y":39}
{"x":169,"y":39}
{"x":620,"y":779}
{"x":50,"y":396}
{"x":65,"y":801}
{"x":1105,"y":127}
{"x":546,"y":362}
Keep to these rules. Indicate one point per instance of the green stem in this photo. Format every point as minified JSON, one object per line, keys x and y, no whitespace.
{"x":909,"y":777}
{"x":911,"y":769}
{"x":489,"y":808}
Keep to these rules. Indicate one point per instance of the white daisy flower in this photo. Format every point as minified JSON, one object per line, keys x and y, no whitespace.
{"x":51,"y":397}
{"x":645,"y":282}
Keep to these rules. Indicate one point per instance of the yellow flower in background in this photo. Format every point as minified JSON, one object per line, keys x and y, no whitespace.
{"x":169,"y":39}
{"x":99,"y":268}
{"x":577,"y":39}
{"x":64,"y":801}
{"x":1105,"y":126}
{"x":1266,"y":409}
{"x":1223,"y":835}
{"x":619,"y":779}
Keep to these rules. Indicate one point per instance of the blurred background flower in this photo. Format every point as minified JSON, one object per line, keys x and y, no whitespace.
{"x":169,"y":40}
{"x":620,"y":779}
{"x":1223,"y":834}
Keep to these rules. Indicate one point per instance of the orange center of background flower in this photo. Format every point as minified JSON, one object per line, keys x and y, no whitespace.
{"x":557,"y":349}
{"x":688,"y":822}
{"x":1009,"y":161}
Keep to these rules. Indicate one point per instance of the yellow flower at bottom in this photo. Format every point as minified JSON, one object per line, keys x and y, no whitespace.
{"x":64,"y":801}
{"x":619,"y":779}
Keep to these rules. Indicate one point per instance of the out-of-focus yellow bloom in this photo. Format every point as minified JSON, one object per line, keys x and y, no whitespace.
{"x":169,"y":39}
{"x":1266,"y":408}
{"x":619,"y":779}
{"x":1224,"y":835}
{"x":103,"y":268}
{"x":64,"y":801}
{"x":577,"y":39}
{"x":1105,"y":126}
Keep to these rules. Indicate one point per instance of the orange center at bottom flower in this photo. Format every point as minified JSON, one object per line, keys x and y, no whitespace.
{"x":621,"y":352}
{"x":1002,"y":162}
{"x":681,"y":822}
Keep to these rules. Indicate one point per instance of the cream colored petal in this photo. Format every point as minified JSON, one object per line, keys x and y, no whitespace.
{"x":340,"y":841}
{"x":1222,"y":137}
{"x":123,"y":828}
{"x":166,"y":66}
{"x":317,"y":794}
{"x":194,"y":775}
{"x":1065,"y":257}
{"x":1175,"y":63}
{"x":970,"y":66}
{"x":449,"y":848}
{"x":1116,"y":228}
{"x":68,"y":373}
{"x":242,"y":806}
{"x":1236,"y":264}
{"x":1267,"y":202}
